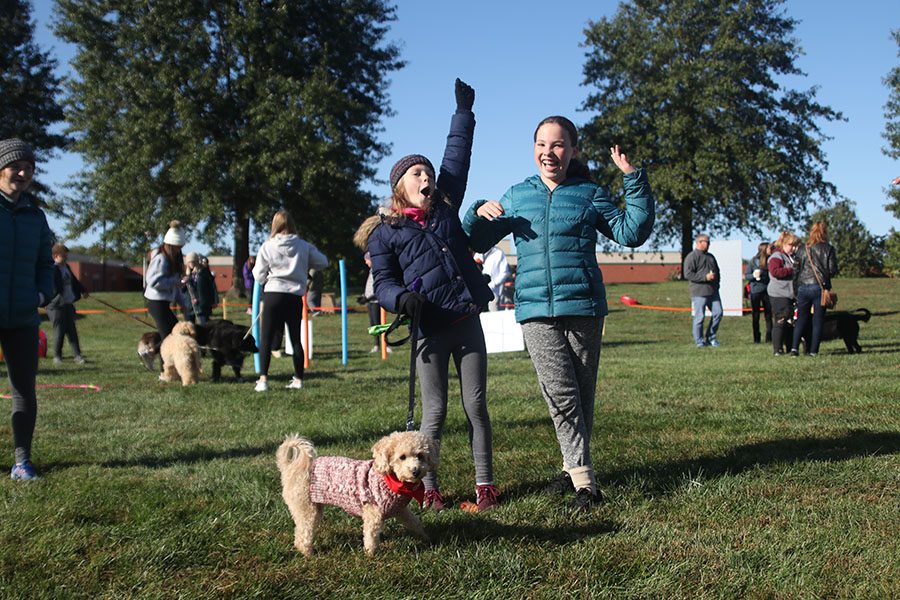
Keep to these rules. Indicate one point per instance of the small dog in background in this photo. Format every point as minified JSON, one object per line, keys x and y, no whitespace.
{"x":180,"y":354}
{"x":148,"y":349}
{"x":374,"y":489}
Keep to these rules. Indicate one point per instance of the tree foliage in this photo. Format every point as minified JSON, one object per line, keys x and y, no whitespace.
{"x":892,"y":135}
{"x":859,"y":252}
{"x":694,"y":90}
{"x":218,"y":112}
{"x":28,"y":86}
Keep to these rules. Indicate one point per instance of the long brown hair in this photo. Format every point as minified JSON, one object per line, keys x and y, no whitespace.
{"x":762,"y":254}
{"x":818,"y":233}
{"x":283,"y":222}
{"x":576,"y":168}
{"x":173,"y":257}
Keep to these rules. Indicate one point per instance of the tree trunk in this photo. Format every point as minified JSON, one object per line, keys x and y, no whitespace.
{"x":240,"y":253}
{"x":687,"y":229}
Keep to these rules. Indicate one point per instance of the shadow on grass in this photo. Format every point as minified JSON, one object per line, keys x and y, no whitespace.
{"x":665,"y":478}
{"x":468,"y":531}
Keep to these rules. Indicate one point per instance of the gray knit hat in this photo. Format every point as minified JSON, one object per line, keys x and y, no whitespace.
{"x":15,"y":149}
{"x":405,"y":163}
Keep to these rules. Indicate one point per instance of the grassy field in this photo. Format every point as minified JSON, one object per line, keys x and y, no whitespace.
{"x":729,"y":472}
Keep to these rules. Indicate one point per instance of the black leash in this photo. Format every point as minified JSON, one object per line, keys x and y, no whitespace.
{"x":413,"y":338}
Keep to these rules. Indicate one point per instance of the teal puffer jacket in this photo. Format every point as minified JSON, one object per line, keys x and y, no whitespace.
{"x":26,"y":267}
{"x":556,"y":236}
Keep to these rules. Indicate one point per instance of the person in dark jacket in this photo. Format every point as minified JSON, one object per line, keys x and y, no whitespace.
{"x":702,"y":272}
{"x":26,"y":282}
{"x":817,"y":254}
{"x":61,"y":309}
{"x":758,"y":276}
{"x":554,"y":217}
{"x":421,"y":264}
{"x":201,"y":288}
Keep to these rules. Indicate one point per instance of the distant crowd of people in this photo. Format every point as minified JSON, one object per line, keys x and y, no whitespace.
{"x":785,"y":278}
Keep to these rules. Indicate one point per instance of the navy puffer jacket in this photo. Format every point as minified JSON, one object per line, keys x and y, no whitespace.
{"x":433,"y":259}
{"x":26,"y":267}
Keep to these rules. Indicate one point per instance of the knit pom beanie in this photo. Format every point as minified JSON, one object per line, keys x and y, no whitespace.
{"x":174,"y":236}
{"x":14,"y":149}
{"x":405,"y":163}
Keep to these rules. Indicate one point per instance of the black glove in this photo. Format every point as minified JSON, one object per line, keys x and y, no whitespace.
{"x":411,"y":303}
{"x":465,"y":95}
{"x":361,"y":299}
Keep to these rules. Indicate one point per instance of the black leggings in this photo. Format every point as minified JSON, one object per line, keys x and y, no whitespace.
{"x":280,"y":309}
{"x":20,"y":347}
{"x":163,"y":316}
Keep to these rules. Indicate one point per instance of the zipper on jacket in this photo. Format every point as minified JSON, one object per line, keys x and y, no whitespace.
{"x":547,"y":250}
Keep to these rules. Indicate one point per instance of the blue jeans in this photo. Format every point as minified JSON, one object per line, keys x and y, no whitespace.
{"x":700,"y":304}
{"x":809,"y":296}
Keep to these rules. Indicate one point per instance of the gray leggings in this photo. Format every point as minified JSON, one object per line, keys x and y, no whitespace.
{"x":565,"y":352}
{"x":465,"y":342}
{"x":20,"y":347}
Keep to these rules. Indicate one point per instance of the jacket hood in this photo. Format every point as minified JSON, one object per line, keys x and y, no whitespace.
{"x":288,"y":243}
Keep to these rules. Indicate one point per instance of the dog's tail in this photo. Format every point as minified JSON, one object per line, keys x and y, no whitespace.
{"x":295,"y":457}
{"x":865,"y":316}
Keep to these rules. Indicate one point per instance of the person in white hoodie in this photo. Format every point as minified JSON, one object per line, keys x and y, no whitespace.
{"x":282,"y":264}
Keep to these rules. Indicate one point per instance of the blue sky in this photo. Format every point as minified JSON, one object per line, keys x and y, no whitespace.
{"x":525,"y":62}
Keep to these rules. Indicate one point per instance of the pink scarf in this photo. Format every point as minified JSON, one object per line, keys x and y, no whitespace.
{"x":415,"y":213}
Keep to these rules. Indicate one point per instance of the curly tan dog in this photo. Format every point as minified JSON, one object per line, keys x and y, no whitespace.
{"x":372,"y":489}
{"x":180,"y":353}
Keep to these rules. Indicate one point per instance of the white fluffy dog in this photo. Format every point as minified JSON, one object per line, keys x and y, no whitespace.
{"x":372,"y":489}
{"x":180,"y":353}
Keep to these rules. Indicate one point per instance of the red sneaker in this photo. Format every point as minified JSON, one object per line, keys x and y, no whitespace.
{"x":434,"y":501}
{"x":486,"y":498}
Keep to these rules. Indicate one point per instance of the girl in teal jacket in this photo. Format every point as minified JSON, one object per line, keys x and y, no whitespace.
{"x":26,"y":282}
{"x":554,"y":217}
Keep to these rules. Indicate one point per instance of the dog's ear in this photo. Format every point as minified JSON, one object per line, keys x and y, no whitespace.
{"x":381,"y":452}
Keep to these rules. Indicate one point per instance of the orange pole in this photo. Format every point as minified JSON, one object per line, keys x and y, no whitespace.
{"x":305,"y":333}
{"x":224,"y":309}
{"x":383,"y":337}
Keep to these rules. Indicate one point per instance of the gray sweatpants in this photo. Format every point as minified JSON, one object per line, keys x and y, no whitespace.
{"x":565,"y":352}
{"x":464,"y":341}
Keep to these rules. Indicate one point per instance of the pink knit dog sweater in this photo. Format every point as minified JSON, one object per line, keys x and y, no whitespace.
{"x":349,"y":483}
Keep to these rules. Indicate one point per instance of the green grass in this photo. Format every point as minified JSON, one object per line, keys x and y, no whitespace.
{"x":729,"y":472}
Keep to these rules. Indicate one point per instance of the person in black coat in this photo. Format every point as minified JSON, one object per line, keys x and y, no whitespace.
{"x":758,"y":277}
{"x":61,"y":309}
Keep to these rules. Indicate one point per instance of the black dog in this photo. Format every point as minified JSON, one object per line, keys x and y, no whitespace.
{"x":228,"y":343}
{"x":844,"y":325}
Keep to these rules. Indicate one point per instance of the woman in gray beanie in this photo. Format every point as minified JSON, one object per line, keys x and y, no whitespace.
{"x":25,"y":261}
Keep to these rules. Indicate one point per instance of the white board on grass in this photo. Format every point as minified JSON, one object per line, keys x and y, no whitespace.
{"x":289,"y":348}
{"x":501,"y":332}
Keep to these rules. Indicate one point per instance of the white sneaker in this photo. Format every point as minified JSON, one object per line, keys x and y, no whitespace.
{"x":262,"y":386}
{"x":277,"y":354}
{"x":57,"y":360}
{"x":295,"y":384}
{"x":374,"y":349}
{"x":79,"y":360}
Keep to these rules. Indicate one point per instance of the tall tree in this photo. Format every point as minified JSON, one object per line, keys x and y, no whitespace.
{"x":694,"y":90}
{"x":28,"y":86}
{"x":892,"y":135}
{"x":217,"y":112}
{"x":859,"y":252}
